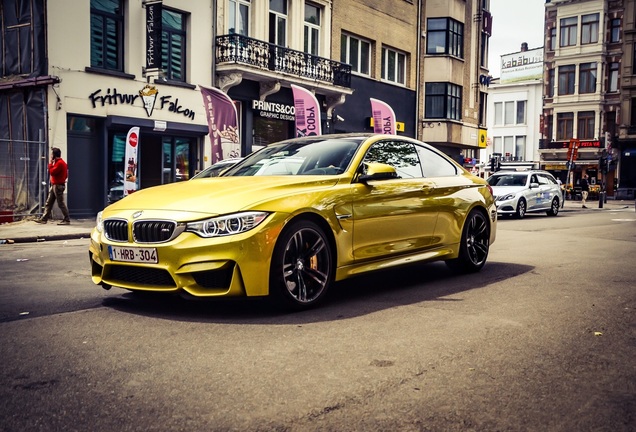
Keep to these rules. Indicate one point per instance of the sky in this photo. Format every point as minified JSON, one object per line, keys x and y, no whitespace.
{"x":514,"y":22}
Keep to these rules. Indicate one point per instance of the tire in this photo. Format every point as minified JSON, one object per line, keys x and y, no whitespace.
{"x":474,"y":244}
{"x":554,"y":207}
{"x":302,"y":267}
{"x":521,"y":208}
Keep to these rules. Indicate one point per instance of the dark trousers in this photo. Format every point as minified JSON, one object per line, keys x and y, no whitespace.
{"x":56,"y":193}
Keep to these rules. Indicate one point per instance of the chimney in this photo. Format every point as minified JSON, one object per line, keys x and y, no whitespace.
{"x":524,"y":47}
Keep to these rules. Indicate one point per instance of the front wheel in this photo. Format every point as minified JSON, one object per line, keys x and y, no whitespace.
{"x":474,"y":246}
{"x":521,"y":208}
{"x":302,"y":266}
{"x":554,"y":207}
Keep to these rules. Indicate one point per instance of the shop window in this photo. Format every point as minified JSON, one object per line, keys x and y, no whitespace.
{"x":589,"y":29}
{"x":312,"y":29}
{"x":445,"y":36}
{"x":565,"y":126}
{"x":587,"y":77}
{"x":566,"y":79}
{"x":568,"y":31}
{"x":443,"y":101}
{"x":393,"y":66}
{"x":585,"y":125}
{"x":173,"y":45}
{"x":357,"y":53}
{"x":107,"y":34}
{"x":239,"y":17}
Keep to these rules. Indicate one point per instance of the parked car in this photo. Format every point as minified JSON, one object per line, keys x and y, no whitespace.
{"x":520,"y":192}
{"x":343,"y":205}
{"x":215,"y":169}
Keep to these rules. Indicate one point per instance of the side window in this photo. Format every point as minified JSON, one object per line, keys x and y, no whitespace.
{"x":401,"y":155}
{"x":546,"y":180}
{"x":435,"y":165}
{"x":533,"y":179}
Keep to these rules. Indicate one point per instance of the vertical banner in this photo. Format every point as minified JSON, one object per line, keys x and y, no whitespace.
{"x":153,"y":34}
{"x":383,"y":117}
{"x":132,"y":146}
{"x":307,"y":112}
{"x":222,"y":124}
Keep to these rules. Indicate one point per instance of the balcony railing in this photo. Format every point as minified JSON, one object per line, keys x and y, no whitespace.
{"x":263,"y":55}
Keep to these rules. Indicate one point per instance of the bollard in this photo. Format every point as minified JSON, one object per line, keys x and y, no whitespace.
{"x":600,"y":199}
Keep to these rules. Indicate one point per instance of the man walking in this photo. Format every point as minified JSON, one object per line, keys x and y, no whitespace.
{"x":585,"y":189}
{"x":59,"y":172}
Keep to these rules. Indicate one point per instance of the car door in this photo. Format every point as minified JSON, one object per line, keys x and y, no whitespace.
{"x":533,"y":193}
{"x":395,"y":216}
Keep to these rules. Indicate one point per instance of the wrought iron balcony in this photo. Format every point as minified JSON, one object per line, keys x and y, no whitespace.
{"x":240,"y":49}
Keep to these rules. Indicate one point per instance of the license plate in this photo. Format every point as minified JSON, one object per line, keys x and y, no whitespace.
{"x":133,"y":254}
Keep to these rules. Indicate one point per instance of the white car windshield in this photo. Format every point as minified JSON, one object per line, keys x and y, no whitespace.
{"x":508,"y":180}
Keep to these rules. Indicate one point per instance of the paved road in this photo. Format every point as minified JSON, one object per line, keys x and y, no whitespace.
{"x":543,"y":339}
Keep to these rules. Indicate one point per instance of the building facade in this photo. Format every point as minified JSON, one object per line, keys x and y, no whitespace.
{"x":624,"y":143}
{"x":515,"y":103}
{"x":454,"y":76}
{"x":583,"y":54}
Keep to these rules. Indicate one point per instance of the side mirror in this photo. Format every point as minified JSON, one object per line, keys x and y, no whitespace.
{"x":534,"y":185}
{"x":377,"y":171}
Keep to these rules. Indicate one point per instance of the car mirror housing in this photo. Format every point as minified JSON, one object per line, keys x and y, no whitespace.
{"x":534,"y":185}
{"x":377,"y":171}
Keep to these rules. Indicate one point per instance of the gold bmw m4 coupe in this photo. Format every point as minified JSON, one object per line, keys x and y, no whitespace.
{"x":294,"y":217}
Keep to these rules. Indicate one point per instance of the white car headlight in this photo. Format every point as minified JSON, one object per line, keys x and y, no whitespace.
{"x":99,"y":222}
{"x":226,"y":225}
{"x":507,"y":197}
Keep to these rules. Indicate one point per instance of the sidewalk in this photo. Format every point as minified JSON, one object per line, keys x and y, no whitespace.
{"x":28,"y":231}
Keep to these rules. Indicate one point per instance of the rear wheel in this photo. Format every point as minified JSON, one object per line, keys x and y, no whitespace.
{"x":474,"y":246}
{"x":521,"y":208}
{"x":302,"y":266}
{"x":554,"y":207}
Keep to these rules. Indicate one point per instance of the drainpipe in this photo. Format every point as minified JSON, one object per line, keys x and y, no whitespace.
{"x":418,"y":74}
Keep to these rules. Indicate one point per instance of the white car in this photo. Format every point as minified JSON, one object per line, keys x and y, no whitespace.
{"x":520,"y":192}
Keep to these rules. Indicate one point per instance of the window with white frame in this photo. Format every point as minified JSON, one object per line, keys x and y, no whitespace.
{"x":357,"y":53}
{"x":312,"y":29}
{"x":509,"y":113}
{"x":278,"y":22}
{"x":239,"y":17}
{"x":520,"y":147}
{"x":393,"y":66}
{"x":521,"y":112}
{"x":568,"y":31}
{"x":587,"y":77}
{"x":589,"y":28}
{"x":497,"y":143}
{"x":509,"y":146}
{"x":498,"y":113}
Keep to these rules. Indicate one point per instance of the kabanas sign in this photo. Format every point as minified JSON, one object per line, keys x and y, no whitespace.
{"x":148,"y":96}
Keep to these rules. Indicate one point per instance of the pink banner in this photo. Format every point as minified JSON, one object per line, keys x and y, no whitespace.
{"x":222,"y":124}
{"x":307,"y":112}
{"x":383,"y":117}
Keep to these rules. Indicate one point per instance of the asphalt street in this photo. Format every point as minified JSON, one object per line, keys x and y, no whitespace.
{"x":543,"y":339}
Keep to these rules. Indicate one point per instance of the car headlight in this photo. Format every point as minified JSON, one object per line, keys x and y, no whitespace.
{"x":226,"y":225}
{"x":507,"y":197}
{"x":99,"y":222}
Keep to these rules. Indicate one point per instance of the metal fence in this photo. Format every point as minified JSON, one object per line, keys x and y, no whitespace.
{"x":23,"y":178}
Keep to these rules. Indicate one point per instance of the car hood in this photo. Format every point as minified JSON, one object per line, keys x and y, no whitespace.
{"x":217,"y":195}
{"x":505,"y":190}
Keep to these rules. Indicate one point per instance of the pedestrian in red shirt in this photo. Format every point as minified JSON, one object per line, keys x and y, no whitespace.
{"x":59,"y":172}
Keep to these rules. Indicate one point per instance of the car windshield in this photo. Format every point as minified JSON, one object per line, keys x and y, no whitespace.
{"x":311,"y":156}
{"x":508,"y":180}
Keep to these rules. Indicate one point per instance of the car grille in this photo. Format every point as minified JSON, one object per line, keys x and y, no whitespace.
{"x":116,"y":230}
{"x":144,"y":231}
{"x":140,"y":276}
{"x":153,"y":231}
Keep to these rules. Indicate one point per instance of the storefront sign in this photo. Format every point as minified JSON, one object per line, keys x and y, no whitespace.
{"x":274,"y":110}
{"x":521,"y":66}
{"x":147,"y":95}
{"x":566,"y":144}
{"x":153,"y":34}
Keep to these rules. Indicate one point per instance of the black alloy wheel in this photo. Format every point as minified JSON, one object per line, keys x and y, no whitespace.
{"x":554,"y":207}
{"x":521,"y":208}
{"x":474,"y":246}
{"x":302,"y":266}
